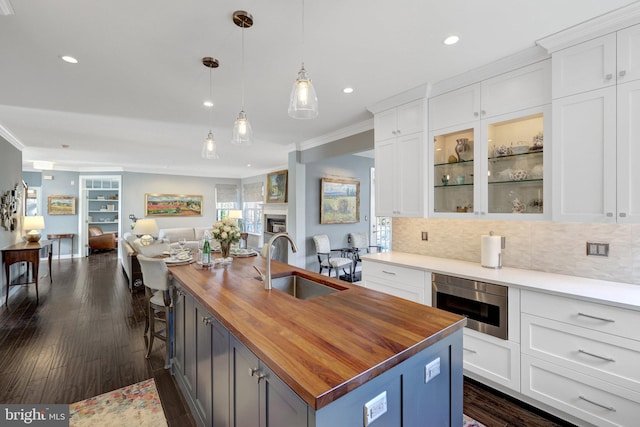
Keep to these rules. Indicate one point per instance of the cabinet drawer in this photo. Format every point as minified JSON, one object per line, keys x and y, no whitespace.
{"x":393,"y":272}
{"x":591,"y":315}
{"x":590,"y":399}
{"x":607,"y":357}
{"x":492,"y":358}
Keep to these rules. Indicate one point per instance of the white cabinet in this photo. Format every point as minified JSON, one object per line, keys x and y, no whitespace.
{"x":581,"y":357}
{"x":595,"y":158}
{"x":496,"y":166}
{"x":403,"y":282}
{"x":598,"y":63}
{"x":516,"y":90}
{"x":492,"y":358}
{"x":399,"y":161}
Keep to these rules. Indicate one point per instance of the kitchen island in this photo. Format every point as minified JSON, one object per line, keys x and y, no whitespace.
{"x":247,"y":356}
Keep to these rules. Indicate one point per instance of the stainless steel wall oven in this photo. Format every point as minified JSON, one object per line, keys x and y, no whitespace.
{"x":484,"y":305}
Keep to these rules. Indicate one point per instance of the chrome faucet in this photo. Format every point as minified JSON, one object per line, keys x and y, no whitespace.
{"x":266,"y":277}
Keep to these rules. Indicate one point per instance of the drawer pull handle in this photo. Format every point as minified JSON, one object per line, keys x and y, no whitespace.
{"x":608,"y":359}
{"x":388,"y":272}
{"x":608,"y":408}
{"x":596,"y":317}
{"x":469,"y":350}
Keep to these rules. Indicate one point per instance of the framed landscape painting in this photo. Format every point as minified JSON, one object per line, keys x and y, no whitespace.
{"x":172,"y":205}
{"x":277,"y":187}
{"x":61,"y":205}
{"x":339,"y":201}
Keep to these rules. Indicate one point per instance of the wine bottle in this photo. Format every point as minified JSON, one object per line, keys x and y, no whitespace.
{"x":206,"y":252}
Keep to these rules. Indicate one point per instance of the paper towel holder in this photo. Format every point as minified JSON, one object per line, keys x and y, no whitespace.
{"x":503,"y":241}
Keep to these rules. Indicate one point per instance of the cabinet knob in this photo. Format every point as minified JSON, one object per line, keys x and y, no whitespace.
{"x":393,"y":132}
{"x":206,"y":320}
{"x":622,"y":73}
{"x":475,"y":114}
{"x":483,"y":112}
{"x":609,"y":214}
{"x":608,"y":77}
{"x":398,"y":132}
{"x":623,"y":214}
{"x":255,"y":372}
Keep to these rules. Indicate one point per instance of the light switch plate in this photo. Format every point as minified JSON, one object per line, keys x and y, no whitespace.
{"x":374,"y":408}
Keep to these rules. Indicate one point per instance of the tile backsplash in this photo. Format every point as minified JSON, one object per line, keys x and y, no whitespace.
{"x":555,"y":247}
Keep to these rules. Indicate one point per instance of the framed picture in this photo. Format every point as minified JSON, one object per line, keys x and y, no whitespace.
{"x":277,"y":187}
{"x":172,"y":205}
{"x":61,"y":205}
{"x":339,"y":201}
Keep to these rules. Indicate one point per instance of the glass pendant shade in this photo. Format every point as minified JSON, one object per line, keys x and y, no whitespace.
{"x":209,"y":148}
{"x":242,"y":133}
{"x":304,"y":102}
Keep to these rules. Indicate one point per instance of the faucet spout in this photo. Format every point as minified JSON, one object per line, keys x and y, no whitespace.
{"x":267,"y":274}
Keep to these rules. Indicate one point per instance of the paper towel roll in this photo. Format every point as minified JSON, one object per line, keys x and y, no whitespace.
{"x":490,"y":250}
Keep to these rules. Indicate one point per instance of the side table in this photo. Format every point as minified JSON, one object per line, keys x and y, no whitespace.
{"x":26,"y":252}
{"x":59,"y":237}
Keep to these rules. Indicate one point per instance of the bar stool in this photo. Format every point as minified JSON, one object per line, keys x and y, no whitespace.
{"x":157,"y":281}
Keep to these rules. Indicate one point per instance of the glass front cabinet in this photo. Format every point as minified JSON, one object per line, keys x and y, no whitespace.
{"x":492,"y":167}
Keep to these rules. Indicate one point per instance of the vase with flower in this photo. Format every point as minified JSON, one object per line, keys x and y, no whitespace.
{"x":226,"y":232}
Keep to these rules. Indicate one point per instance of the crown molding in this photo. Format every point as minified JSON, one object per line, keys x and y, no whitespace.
{"x":596,"y":27}
{"x":6,"y":134}
{"x":336,"y":135}
{"x":519,"y":59}
{"x":5,"y":8}
{"x":418,"y":92}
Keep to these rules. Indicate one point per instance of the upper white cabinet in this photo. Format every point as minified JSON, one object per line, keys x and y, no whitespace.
{"x":516,"y":90}
{"x":596,"y":91}
{"x":605,"y":61}
{"x":400,"y":161}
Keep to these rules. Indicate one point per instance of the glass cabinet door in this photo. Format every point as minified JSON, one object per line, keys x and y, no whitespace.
{"x":453,"y":180}
{"x":515,"y":166}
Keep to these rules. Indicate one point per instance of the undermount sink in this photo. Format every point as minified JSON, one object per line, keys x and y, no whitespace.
{"x":300,"y":287}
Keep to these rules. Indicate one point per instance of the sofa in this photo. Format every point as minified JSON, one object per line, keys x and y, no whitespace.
{"x":167,"y":238}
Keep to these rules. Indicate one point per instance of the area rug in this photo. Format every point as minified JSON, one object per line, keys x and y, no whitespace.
{"x":470,"y":422}
{"x":135,"y":405}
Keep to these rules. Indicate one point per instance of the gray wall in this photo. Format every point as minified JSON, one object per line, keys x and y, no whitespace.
{"x":346,"y":167}
{"x":10,"y":175}
{"x":63,"y":184}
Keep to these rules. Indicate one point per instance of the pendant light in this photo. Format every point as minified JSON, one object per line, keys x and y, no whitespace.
{"x":242,"y":133}
{"x":209,"y":150}
{"x":303,"y":103}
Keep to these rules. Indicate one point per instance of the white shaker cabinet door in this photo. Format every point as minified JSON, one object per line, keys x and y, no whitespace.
{"x":584,"y":157}
{"x":410,"y":166}
{"x":455,"y":107}
{"x":629,"y":54}
{"x":629,"y":152}
{"x":384,"y":160}
{"x":586,"y":66}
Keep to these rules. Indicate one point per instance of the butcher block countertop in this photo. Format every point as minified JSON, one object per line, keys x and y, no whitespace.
{"x":322,"y":348}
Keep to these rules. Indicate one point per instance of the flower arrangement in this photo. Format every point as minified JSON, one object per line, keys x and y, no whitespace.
{"x":226,"y":231}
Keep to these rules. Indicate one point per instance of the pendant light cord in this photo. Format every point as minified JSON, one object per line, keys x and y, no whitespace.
{"x":242,"y":74}
{"x":210,"y":99}
{"x":302,"y":53}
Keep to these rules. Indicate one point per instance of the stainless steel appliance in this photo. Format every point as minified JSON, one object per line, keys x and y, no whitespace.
{"x":484,"y":305}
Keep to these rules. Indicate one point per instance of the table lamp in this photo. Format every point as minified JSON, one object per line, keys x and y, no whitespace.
{"x":33,"y":224}
{"x":146,"y":229}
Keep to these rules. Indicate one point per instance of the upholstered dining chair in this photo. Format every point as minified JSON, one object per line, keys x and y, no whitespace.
{"x":157,"y":282}
{"x":360,"y":244}
{"x":331,"y":258}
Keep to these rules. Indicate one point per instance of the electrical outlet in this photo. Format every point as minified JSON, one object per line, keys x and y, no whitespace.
{"x":598,"y":249}
{"x":425,"y":235}
{"x":374,"y":408}
{"x":431,"y":370}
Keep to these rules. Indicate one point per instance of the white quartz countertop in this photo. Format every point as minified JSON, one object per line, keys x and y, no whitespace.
{"x":623,"y":295}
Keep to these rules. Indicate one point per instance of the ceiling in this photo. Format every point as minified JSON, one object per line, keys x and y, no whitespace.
{"x":134,"y":100}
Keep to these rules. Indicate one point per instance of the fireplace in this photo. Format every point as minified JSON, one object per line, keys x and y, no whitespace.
{"x":276,"y":224}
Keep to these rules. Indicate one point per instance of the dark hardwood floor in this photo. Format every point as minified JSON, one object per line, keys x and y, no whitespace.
{"x":85,"y":337}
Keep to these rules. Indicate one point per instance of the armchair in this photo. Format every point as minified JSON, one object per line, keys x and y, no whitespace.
{"x":99,"y":240}
{"x":329,"y":261}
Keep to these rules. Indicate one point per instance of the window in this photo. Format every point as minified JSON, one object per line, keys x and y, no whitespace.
{"x":226,"y":199}
{"x":252,"y":197}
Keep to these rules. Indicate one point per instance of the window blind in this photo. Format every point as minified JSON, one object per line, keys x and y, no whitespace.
{"x":253,"y":192}
{"x":226,"y":193}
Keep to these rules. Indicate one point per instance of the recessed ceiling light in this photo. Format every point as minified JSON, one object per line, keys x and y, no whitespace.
{"x":347,"y":90}
{"x":451,"y":40}
{"x":69,"y":59}
{"x":248,"y":165}
{"x":208,"y":104}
